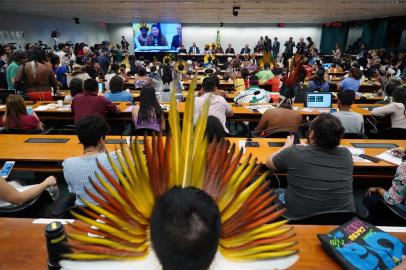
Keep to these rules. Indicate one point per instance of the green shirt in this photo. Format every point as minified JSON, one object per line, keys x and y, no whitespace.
{"x":12,"y":71}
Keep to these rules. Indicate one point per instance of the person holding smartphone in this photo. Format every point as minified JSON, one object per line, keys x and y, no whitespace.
{"x":11,"y":195}
{"x":17,"y":116}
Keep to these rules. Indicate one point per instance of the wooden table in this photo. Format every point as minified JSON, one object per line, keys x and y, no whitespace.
{"x":48,"y":157}
{"x":23,"y":246}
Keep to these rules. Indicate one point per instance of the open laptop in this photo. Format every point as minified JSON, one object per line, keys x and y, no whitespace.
{"x":4,"y":94}
{"x":319,"y":101}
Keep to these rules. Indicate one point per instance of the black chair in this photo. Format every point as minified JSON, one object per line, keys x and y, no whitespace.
{"x":394,"y":133}
{"x":354,"y":136}
{"x":21,"y":131}
{"x":330,"y":218}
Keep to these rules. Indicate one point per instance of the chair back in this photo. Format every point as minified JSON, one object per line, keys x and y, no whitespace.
{"x":330,"y":218}
{"x":354,"y":136}
{"x":21,"y":131}
{"x":394,"y":133}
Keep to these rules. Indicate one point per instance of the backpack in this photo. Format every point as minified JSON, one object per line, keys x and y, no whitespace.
{"x":3,"y":75}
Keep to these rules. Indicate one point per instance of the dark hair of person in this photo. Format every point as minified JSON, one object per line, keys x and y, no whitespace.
{"x":116,"y":84}
{"x":209,"y":84}
{"x":115,"y":67}
{"x":75,"y":86}
{"x":346,"y":97}
{"x":267,"y":66}
{"x":327,"y":131}
{"x":38,"y":54}
{"x":185,"y":229}
{"x":244,"y":73}
{"x":356,"y":73}
{"x":18,"y":56}
{"x":152,"y":69}
{"x":254,"y":81}
{"x":91,"y":129}
{"x":61,"y":46}
{"x":91,"y":85}
{"x":55,"y":60}
{"x":214,"y":129}
{"x":131,"y":57}
{"x":399,"y":95}
{"x":391,"y":87}
{"x":142,"y":72}
{"x":149,"y":106}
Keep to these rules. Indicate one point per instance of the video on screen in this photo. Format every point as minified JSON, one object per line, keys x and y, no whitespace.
{"x":157,"y":37}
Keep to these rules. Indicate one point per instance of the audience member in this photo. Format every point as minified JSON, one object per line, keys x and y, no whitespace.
{"x":317,"y":83}
{"x":214,"y":129}
{"x":254,"y":94}
{"x":218,"y":105}
{"x":278,"y":120}
{"x":352,"y":82}
{"x":352,"y":122}
{"x":396,"y":109}
{"x":75,"y":87}
{"x":115,"y":70}
{"x":117,"y":93}
{"x":149,"y":114}
{"x":90,"y":103}
{"x":319,"y":175}
{"x":59,"y":71}
{"x":15,"y":60}
{"x":141,"y":79}
{"x":18,"y":117}
{"x":78,"y":73}
{"x":91,"y":131}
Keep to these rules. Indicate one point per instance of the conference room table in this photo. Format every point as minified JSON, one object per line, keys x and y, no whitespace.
{"x":24,"y":246}
{"x":48,"y":157}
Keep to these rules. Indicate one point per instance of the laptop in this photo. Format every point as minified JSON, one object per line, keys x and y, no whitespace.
{"x":4,"y":95}
{"x":318,"y":100}
{"x":327,"y":66}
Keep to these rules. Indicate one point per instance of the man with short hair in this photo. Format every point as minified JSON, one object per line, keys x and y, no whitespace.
{"x":218,"y":105}
{"x":289,"y":45}
{"x":352,"y":122}
{"x":319,"y":175}
{"x":194,"y":49}
{"x":246,"y":49}
{"x":230,"y":49}
{"x":90,"y":103}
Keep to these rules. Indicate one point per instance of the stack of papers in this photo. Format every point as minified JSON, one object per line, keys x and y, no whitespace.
{"x":388,"y":157}
{"x":42,"y":108}
{"x":261,"y":108}
{"x":355,"y":152}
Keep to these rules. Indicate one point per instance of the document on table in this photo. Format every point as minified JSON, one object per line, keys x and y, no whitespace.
{"x":388,"y":157}
{"x":261,"y":108}
{"x":50,"y":220}
{"x":355,"y":152}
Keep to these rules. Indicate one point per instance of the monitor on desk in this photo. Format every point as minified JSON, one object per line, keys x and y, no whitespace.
{"x":318,"y":100}
{"x":4,"y":95}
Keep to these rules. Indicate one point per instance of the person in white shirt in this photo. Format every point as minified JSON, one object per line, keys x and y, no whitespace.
{"x":77,"y":72}
{"x":218,"y":105}
{"x":396,"y":109}
{"x":115,"y":68}
{"x":352,"y":122}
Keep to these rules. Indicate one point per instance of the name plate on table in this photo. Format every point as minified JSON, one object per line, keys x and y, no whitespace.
{"x":375,"y":145}
{"x":46,"y":140}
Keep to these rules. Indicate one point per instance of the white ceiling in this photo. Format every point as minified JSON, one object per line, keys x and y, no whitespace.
{"x":209,"y":11}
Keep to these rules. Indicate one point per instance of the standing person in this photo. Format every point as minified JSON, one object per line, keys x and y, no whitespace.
{"x":337,"y":54}
{"x":90,"y":103}
{"x":124,"y":43}
{"x":267,"y":44}
{"x":275,"y":48}
{"x":289,"y":45}
{"x":40,"y":82}
{"x":352,"y":122}
{"x":156,"y":38}
{"x":17,"y":116}
{"x":59,"y":71}
{"x":319,"y":175}
{"x":16,"y":59}
{"x":104,"y":61}
{"x":301,"y":46}
{"x":78,"y":73}
{"x":149,"y":114}
{"x":310,"y":45}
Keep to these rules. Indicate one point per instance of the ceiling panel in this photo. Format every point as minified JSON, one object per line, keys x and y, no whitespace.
{"x":210,"y":11}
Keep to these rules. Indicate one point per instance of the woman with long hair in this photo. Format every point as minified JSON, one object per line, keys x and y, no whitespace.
{"x":156,"y":38}
{"x":17,"y":116}
{"x":75,"y":87}
{"x":149,"y":114}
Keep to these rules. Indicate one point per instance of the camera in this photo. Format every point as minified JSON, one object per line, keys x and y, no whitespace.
{"x":235,"y":10}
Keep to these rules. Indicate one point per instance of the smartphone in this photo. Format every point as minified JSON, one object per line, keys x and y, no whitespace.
{"x":101,"y":87}
{"x":6,"y":170}
{"x":30,"y":110}
{"x":296,"y":139}
{"x":370,"y":158}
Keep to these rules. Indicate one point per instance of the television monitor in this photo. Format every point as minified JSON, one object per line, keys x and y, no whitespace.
{"x":157,"y":37}
{"x":318,"y":100}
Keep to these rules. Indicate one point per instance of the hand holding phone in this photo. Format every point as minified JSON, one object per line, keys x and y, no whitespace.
{"x":6,"y":170}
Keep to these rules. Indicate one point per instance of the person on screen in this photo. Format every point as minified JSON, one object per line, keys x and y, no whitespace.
{"x":194,"y":49}
{"x":142,"y":36}
{"x":156,"y":38}
{"x":177,"y":39}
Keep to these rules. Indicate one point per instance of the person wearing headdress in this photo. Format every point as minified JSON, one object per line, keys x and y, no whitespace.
{"x":142,"y":37}
{"x":156,"y":38}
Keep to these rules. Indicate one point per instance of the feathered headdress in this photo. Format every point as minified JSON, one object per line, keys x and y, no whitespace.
{"x":117,"y":230}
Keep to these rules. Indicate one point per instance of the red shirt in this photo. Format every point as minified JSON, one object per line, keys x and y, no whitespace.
{"x":27,"y":122}
{"x":90,"y":103}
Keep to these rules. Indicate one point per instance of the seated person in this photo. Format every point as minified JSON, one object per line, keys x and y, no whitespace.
{"x":395,"y":196}
{"x":90,"y":103}
{"x":77,"y":72}
{"x":75,"y":87}
{"x":396,"y":109}
{"x":278,"y":120}
{"x":267,"y":77}
{"x":149,"y":114}
{"x":11,"y":195}
{"x":214,"y":129}
{"x":218,"y":105}
{"x":254,"y":94}
{"x":115,"y":69}
{"x":91,"y":131}
{"x":318,"y":83}
{"x":352,"y":122}
{"x":141,"y":78}
{"x":319,"y":175}
{"x":352,"y":82}
{"x":17,"y":116}
{"x":117,"y":93}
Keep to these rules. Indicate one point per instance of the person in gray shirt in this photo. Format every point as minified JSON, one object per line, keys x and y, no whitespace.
{"x":351,"y":121}
{"x":319,"y":175}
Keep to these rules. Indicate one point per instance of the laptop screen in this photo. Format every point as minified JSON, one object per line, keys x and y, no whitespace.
{"x":318,"y":100}
{"x":327,"y":66}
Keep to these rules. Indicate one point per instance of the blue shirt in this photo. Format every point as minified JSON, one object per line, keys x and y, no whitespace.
{"x":119,"y":97}
{"x":315,"y":86}
{"x":350,"y":84}
{"x":61,"y":76}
